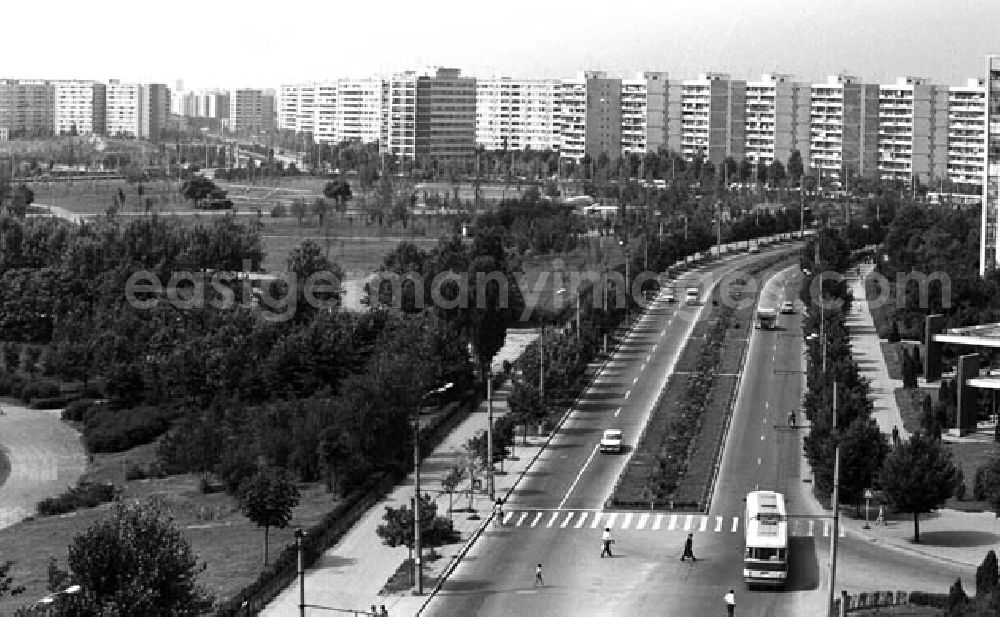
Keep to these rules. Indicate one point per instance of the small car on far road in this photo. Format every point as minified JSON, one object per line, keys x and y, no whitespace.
{"x":670,"y":296}
{"x":787,"y":308}
{"x":611,"y":441}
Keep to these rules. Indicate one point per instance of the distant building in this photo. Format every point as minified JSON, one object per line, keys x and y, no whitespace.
{"x":27,"y":107}
{"x":430,"y":114}
{"x":644,"y":112}
{"x":514,"y":114}
{"x":713,"y":118}
{"x":122,"y":109}
{"x":251,"y":110}
{"x":989,"y":250}
{"x":913,"y":131}
{"x":844,"y":129}
{"x":777,"y":119}
{"x":332,"y":112}
{"x":967,"y":133}
{"x":79,"y":107}
{"x":154,"y":110}
{"x":590,"y":116}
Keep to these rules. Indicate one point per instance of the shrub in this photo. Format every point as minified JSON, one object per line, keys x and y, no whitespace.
{"x":83,"y":495}
{"x":55,"y":402}
{"x":934,"y":600}
{"x":980,"y":483}
{"x":77,"y":410}
{"x":114,"y":431}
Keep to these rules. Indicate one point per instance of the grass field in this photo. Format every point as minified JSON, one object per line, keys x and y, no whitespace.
{"x":229,"y":544}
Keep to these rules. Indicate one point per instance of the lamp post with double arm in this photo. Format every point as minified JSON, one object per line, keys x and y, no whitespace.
{"x":417,"y":562}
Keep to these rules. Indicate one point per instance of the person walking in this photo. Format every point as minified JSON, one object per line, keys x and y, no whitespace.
{"x":881,"y":516}
{"x":608,"y":541}
{"x":538,"y":576}
{"x":374,"y":611}
{"x":791,"y":419}
{"x":498,"y":509}
{"x":382,"y":612}
{"x":730,"y":600}
{"x":689,"y":548}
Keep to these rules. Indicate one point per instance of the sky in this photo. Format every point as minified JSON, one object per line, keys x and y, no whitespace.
{"x":250,"y":43}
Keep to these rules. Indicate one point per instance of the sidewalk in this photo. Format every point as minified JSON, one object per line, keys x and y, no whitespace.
{"x":867,"y":351}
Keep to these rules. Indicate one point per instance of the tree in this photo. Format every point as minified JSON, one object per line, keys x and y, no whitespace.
{"x":136,"y":563}
{"x":988,"y":483}
{"x":333,"y":452}
{"x":450,"y":482}
{"x":918,"y":476}
{"x":339,"y":191}
{"x":987,"y":575}
{"x":863,"y":451}
{"x":267,"y":499}
{"x":957,"y":598}
{"x":794,"y":167}
{"x":200,"y":188}
{"x":7,"y":586}
{"x":299,"y":209}
{"x":320,"y":208}
{"x":525,"y":405}
{"x":397,"y":530}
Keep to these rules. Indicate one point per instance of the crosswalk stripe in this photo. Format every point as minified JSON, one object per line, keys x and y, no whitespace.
{"x":569,"y":517}
{"x":597,"y":520}
{"x":507,"y":517}
{"x":581,"y":520}
{"x":520,"y":520}
{"x":642,"y":521}
{"x":534,"y":522}
{"x":811,"y":525}
{"x":718,"y":524}
{"x":826,"y":529}
{"x":610,"y":523}
{"x":673,"y":522}
{"x":704,"y":523}
{"x":552,"y":520}
{"x":843,"y":532}
{"x":687,"y":522}
{"x":736,"y":523}
{"x":627,"y":521}
{"x":656,"y":523}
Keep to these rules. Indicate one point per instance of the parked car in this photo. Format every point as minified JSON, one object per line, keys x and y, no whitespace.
{"x":670,"y":296}
{"x":787,"y":308}
{"x":612,"y":440}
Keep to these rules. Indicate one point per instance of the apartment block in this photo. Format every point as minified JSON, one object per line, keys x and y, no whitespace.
{"x":989,"y":249}
{"x":27,"y":107}
{"x":400,"y":125}
{"x":913,"y":131}
{"x":431,"y":114}
{"x":967,"y":133}
{"x":346,"y":109}
{"x":79,"y":107}
{"x":590,"y":116}
{"x":712,"y":118}
{"x":154,"y":110}
{"x":251,"y":110}
{"x":644,"y":112}
{"x":844,"y":128}
{"x":517,"y":114}
{"x":121,"y":109}
{"x":777,"y":119}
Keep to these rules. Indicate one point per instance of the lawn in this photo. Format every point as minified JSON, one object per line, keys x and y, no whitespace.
{"x":229,"y":544}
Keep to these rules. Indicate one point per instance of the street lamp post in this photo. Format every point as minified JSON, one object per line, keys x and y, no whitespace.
{"x":299,"y":534}
{"x":836,"y":506}
{"x":868,"y":502}
{"x":624,"y":245}
{"x":489,"y":430}
{"x":418,"y":565}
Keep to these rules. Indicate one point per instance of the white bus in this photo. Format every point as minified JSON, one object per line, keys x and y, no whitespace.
{"x":765,"y":560}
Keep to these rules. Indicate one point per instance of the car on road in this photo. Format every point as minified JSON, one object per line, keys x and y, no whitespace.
{"x":691,"y":295}
{"x":787,"y":308}
{"x":611,"y":441}
{"x":670,"y":296}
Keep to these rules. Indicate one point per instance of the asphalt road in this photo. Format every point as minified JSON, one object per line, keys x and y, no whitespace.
{"x":556,"y":515}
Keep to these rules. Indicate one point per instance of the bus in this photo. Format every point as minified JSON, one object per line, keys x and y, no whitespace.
{"x":765,"y":559}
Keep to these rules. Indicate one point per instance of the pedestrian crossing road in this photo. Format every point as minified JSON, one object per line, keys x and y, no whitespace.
{"x":653,"y":522}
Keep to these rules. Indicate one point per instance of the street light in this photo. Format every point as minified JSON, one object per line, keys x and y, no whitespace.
{"x":417,"y":563}
{"x":624,"y":244}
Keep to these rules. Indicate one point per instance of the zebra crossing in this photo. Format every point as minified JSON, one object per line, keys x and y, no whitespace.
{"x":654,"y":522}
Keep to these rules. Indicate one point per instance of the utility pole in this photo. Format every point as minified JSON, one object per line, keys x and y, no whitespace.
{"x":836,"y":505}
{"x":489,"y":430}
{"x":418,"y":565}
{"x":541,"y":364}
{"x":301,"y":571}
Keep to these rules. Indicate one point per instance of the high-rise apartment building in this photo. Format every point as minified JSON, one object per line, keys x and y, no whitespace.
{"x":777,"y":119}
{"x":251,"y":110}
{"x":154,"y":110}
{"x":989,"y":249}
{"x":332,"y":112}
{"x":713,"y":118}
{"x":913,"y":131}
{"x":78,"y":107}
{"x":844,"y":128}
{"x":517,"y":114}
{"x":967,"y":133}
{"x":590,"y":116}
{"x":27,"y":107}
{"x":430,"y":114}
{"x":644,"y":112}
{"x":121,"y":109}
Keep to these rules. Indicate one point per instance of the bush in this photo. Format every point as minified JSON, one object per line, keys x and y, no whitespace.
{"x":77,"y":410}
{"x":934,"y":600}
{"x":55,"y":402}
{"x":114,"y":431}
{"x":83,"y":495}
{"x":980,"y":483}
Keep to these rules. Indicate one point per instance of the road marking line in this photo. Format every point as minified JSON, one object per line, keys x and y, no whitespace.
{"x":636,"y":379}
{"x":641,"y":368}
{"x":507,"y":517}
{"x":826,"y":529}
{"x":688,"y":521}
{"x":736,"y":523}
{"x":627,"y":521}
{"x":812,"y":524}
{"x":552,"y":520}
{"x":762,"y":438}
{"x":718,"y":524}
{"x":618,"y":411}
{"x":650,"y":356}
{"x":578,"y":476}
{"x":758,"y":461}
{"x":642,"y":521}
{"x":704,"y":523}
{"x":597,"y":520}
{"x":628,"y":392}
{"x":569,"y":517}
{"x":580,"y":521}
{"x":611,"y":520}
{"x":766,"y":403}
{"x":524,"y":515}
{"x":673,"y":522}
{"x":656,"y":523}
{"x":537,"y":516}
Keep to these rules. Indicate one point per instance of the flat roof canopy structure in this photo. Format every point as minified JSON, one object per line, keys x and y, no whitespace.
{"x":986,"y":382}
{"x":986,"y":335}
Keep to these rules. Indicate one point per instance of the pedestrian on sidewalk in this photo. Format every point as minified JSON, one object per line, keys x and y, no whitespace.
{"x":538,"y":576}
{"x":730,"y":601}
{"x":791,"y":419}
{"x":382,"y":612}
{"x":608,"y":541}
{"x":689,"y":548}
{"x":374,"y":611}
{"x":498,"y":510}
{"x":881,"y":516}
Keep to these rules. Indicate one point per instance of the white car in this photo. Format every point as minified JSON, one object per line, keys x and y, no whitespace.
{"x":787,"y":308}
{"x":611,"y":441}
{"x":669,"y":296}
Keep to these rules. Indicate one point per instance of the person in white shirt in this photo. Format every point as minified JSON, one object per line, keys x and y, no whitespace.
{"x":606,"y":538}
{"x":730,"y":600}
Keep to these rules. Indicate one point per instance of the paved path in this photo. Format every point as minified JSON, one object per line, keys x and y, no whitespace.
{"x":45,"y":457}
{"x":867,"y":351}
